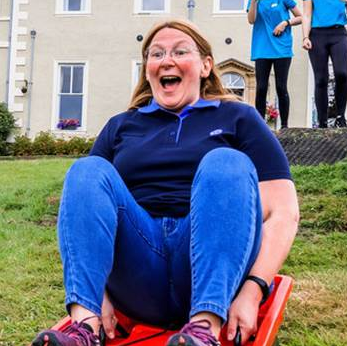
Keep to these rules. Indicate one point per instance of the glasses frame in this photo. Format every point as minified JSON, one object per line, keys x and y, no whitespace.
{"x":190,"y":49}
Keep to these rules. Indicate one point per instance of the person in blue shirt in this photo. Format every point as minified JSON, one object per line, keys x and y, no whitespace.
{"x":325,"y":36}
{"x":183,"y":212}
{"x":272,"y":43}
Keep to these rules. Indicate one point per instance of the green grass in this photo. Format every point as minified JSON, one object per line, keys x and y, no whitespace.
{"x":31,"y":290}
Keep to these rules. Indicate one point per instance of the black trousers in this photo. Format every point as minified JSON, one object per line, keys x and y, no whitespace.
{"x":329,"y":42}
{"x":262,"y":74}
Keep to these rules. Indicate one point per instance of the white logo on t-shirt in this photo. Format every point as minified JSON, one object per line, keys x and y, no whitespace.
{"x":216,"y":132}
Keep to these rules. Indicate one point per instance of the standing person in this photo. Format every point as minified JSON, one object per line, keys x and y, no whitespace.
{"x":324,"y":36}
{"x":183,"y":212}
{"x":272,"y":43}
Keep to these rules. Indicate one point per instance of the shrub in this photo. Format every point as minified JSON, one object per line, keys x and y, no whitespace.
{"x":44,"y":144}
{"x":22,"y":146}
{"x":61,"y":147}
{"x":80,"y":145}
{"x":7,"y":124}
{"x":3,"y":148}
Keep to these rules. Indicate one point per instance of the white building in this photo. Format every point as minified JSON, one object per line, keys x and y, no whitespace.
{"x":80,"y":58}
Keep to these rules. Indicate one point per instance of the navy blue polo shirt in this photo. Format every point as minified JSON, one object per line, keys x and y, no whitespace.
{"x":157,"y":152}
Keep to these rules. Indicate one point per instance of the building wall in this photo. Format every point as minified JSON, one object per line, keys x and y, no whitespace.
{"x":4,"y":44}
{"x":106,"y":40}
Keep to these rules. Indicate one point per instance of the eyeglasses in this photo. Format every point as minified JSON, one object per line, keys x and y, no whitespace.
{"x":157,"y":54}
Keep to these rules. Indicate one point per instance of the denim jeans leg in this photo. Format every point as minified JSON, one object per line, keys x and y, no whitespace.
{"x":93,"y":201}
{"x":226,"y":222}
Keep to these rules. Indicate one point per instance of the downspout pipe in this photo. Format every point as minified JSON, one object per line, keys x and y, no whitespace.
{"x":30,"y":82}
{"x":9,"y":55}
{"x":191,"y":6}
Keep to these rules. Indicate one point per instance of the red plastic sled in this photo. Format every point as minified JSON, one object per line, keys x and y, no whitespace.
{"x":269,"y":320}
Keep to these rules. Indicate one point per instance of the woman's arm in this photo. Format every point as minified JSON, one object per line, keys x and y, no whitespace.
{"x":296,"y":20}
{"x":252,"y":12}
{"x":297,"y":16}
{"x":306,"y":25}
{"x":281,"y":217}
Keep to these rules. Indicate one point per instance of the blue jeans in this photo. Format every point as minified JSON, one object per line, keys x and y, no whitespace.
{"x":159,"y":270}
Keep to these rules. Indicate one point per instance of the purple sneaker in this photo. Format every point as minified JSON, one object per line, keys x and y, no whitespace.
{"x":77,"y":334}
{"x":196,"y":333}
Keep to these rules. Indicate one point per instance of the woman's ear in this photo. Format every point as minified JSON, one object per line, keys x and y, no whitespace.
{"x":206,"y":67}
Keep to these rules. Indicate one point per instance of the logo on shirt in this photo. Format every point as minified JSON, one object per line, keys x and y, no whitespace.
{"x":274,"y":4}
{"x":216,"y":132}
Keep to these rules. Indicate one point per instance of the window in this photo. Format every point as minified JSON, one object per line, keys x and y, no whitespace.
{"x":151,"y":6}
{"x":234,"y":82}
{"x":230,"y":6}
{"x":73,"y":6}
{"x":70,"y":103}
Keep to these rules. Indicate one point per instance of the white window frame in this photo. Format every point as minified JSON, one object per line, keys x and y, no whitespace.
{"x":55,"y":99}
{"x":135,"y":73}
{"x":59,"y":9}
{"x":235,"y":87}
{"x":217,"y":10}
{"x":138,"y":8}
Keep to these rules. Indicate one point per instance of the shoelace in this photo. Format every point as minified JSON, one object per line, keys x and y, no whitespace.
{"x":77,"y":331}
{"x":201,"y":330}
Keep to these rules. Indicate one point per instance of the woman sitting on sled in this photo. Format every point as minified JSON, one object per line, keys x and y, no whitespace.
{"x":183,"y":212}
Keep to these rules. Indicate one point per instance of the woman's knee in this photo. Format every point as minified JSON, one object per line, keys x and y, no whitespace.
{"x":90,"y":169}
{"x":341,"y":77}
{"x":321,"y":82}
{"x":282,"y":91}
{"x":90,"y":165}
{"x":261,"y":90}
{"x":225,"y":163}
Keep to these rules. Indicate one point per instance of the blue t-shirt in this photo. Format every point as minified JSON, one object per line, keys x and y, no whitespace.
{"x":157,"y":152}
{"x":265,"y":45}
{"x":327,"y":13}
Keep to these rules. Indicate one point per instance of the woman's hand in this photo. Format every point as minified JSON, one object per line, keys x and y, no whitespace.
{"x":243,"y":312}
{"x":306,"y":43}
{"x":108,"y":317}
{"x":280,"y":28}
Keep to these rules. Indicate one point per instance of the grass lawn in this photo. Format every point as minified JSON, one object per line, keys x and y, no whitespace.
{"x":31,"y":290}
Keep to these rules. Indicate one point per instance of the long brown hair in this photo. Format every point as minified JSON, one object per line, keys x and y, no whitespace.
{"x":211,"y":87}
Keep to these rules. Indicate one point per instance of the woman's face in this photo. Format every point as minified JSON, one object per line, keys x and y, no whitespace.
{"x":174,"y":69}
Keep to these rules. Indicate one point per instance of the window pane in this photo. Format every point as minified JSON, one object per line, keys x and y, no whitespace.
{"x":233,"y":80}
{"x":153,"y":5}
{"x":72,"y":5}
{"x":71,"y":107}
{"x":77,"y":81}
{"x":231,"y":5}
{"x":65,"y":78}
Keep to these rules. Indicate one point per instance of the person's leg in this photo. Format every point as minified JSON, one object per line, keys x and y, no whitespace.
{"x":94,"y":203}
{"x":226,"y":226}
{"x":338,"y":53}
{"x":262,"y":74}
{"x":319,"y":56}
{"x":225,"y":237}
{"x":281,"y":67}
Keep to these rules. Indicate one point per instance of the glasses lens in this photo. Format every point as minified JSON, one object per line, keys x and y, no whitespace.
{"x":156,"y":54}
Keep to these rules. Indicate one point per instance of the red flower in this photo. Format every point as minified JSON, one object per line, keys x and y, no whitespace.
{"x":68,"y":123}
{"x":271,"y":112}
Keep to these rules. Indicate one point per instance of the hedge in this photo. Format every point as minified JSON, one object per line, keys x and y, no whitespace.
{"x":46,"y":143}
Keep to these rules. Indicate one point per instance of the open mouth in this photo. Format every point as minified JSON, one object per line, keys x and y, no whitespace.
{"x":170,"y":81}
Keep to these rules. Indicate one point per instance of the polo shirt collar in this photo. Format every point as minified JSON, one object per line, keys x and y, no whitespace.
{"x":201,"y":103}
